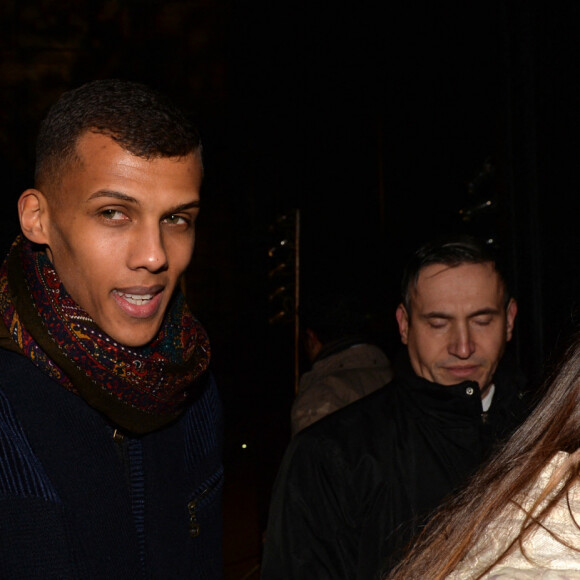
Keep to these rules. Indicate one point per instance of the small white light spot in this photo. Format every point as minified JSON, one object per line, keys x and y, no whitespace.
{"x":244,"y":446}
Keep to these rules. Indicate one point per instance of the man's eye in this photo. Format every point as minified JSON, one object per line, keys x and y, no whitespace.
{"x":437,"y":323}
{"x":113,"y":214}
{"x":482,"y":321}
{"x":175,"y":219}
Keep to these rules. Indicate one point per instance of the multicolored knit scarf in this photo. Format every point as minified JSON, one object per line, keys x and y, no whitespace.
{"x":138,"y":389}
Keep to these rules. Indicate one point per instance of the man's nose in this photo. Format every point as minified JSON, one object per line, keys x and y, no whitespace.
{"x":148,"y":249}
{"x":461,"y":345}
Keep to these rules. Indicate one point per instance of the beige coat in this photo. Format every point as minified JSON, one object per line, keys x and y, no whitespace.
{"x":338,"y":380}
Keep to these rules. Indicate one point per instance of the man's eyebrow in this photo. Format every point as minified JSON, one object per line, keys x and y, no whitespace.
{"x":113,"y":194}
{"x":485,"y":311}
{"x":129,"y":198}
{"x":185,"y":206}
{"x":481,"y":312}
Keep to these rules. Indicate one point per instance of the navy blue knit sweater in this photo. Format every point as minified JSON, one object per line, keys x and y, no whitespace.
{"x":77,"y":502}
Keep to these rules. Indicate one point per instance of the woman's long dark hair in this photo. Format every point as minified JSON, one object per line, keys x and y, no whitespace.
{"x":553,"y":426}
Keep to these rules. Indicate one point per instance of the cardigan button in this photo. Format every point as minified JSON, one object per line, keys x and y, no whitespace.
{"x":193,"y":529}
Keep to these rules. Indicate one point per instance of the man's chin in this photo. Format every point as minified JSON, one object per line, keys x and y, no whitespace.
{"x":450,"y":379}
{"x":134,"y":338}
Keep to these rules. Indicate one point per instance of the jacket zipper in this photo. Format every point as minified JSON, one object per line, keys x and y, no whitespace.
{"x":194,"y":527}
{"x":194,"y":504}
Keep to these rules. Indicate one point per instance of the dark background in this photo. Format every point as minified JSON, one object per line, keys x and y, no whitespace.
{"x":379,"y":122}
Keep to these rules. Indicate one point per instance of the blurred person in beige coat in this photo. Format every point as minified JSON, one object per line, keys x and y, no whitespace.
{"x":346,"y":365}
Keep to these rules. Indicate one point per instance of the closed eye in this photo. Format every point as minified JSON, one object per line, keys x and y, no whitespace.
{"x":437,"y":322}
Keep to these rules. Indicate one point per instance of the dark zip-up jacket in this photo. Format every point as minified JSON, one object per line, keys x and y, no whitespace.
{"x":81,"y":501}
{"x":355,"y":486}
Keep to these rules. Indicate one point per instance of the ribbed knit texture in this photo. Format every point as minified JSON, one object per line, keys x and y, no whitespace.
{"x":21,"y":473}
{"x":137,"y":473}
{"x":200,"y":436}
{"x":70,"y":509}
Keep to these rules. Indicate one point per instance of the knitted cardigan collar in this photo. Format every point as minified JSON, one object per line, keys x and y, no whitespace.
{"x":139,"y":389}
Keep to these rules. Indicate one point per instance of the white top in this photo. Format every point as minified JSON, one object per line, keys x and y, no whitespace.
{"x":486,"y":401}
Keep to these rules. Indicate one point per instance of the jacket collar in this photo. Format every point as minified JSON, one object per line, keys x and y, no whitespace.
{"x":508,"y":380}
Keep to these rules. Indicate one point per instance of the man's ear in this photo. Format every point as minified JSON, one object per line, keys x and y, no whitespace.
{"x":32,"y":211}
{"x":403,"y":320}
{"x":312,"y":344}
{"x":511,"y":311}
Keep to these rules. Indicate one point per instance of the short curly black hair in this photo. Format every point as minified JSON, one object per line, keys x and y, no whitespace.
{"x":141,"y":120}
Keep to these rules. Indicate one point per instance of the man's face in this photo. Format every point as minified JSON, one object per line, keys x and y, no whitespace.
{"x":120,"y":232}
{"x":459,"y":326}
